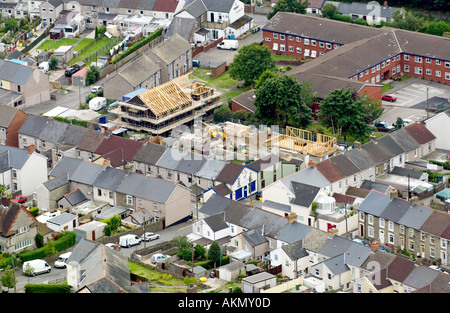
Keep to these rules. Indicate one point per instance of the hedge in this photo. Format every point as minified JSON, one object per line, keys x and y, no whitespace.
{"x":138,"y":45}
{"x":8,"y":260}
{"x":48,"y":288}
{"x":65,"y":241}
{"x":208,"y":264}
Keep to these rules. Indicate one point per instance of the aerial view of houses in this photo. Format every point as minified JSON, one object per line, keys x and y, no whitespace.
{"x":224,"y":147}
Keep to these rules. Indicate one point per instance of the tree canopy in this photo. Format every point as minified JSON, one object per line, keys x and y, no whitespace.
{"x":296,"y":6}
{"x":345,"y":113}
{"x":250,"y":62}
{"x":283,"y":101}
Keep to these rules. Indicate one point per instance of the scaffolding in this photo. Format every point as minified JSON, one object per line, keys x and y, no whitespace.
{"x":303,"y":141}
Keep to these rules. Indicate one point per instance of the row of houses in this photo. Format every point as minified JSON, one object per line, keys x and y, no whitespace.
{"x":324,"y":261}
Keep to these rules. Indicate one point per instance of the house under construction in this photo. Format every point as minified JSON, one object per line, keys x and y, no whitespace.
{"x":160,"y":109}
{"x":303,"y":141}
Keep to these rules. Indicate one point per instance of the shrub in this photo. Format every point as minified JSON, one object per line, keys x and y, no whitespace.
{"x":48,"y":288}
{"x":34,"y":211}
{"x":65,"y":240}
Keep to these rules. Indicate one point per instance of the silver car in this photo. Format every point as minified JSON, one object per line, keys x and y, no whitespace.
{"x":149,"y":236}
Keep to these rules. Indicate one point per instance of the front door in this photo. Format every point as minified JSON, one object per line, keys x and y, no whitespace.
{"x":212,"y":17}
{"x":381,"y":236}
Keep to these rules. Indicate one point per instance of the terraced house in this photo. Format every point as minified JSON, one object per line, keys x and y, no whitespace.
{"x":418,"y":230}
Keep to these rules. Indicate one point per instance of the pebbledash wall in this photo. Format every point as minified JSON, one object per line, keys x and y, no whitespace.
{"x":428,"y":68}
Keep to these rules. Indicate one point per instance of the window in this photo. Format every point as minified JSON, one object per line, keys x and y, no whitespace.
{"x":328,"y":45}
{"x":428,"y":60}
{"x":275,"y":36}
{"x":139,"y":203}
{"x":129,"y":200}
{"x":22,"y":244}
{"x":443,"y":243}
{"x":388,"y":62}
{"x":291,"y":49}
{"x":411,"y":245}
{"x":438,"y":62}
{"x":418,"y":70}
{"x":313,"y":53}
{"x":432,"y":252}
{"x":411,"y":233}
{"x":391,"y":225}
{"x":291,"y":38}
{"x":447,"y":64}
{"x":23,"y":229}
{"x":391,"y":238}
{"x":438,"y":73}
{"x":382,"y":222}
{"x":298,"y":39}
{"x":155,"y":207}
{"x":99,"y":192}
{"x":371,"y":232}
{"x":267,"y":39}
{"x":402,"y":229}
{"x":14,"y":173}
{"x":299,"y":50}
{"x":306,"y":41}
{"x":432,"y":240}
{"x":393,"y":71}
{"x":361,"y":216}
{"x":281,"y":37}
{"x":306,"y":52}
{"x":447,"y":75}
{"x":275,"y":46}
{"x":406,"y":68}
{"x":313,"y":43}
{"x":406,"y":57}
{"x":418,"y":59}
{"x":321,"y":44}
{"x":282,"y":48}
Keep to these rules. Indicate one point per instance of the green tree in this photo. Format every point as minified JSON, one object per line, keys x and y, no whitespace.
{"x":9,"y":279}
{"x":296,"y":6}
{"x":185,"y":254}
{"x":50,"y":248}
{"x":215,"y":253}
{"x":329,"y":10}
{"x":283,"y":101}
{"x":199,"y":251}
{"x":92,"y":75}
{"x":250,"y":62}
{"x":223,"y":113}
{"x":182,"y":242}
{"x":265,"y":75}
{"x":372,"y":109}
{"x":407,"y":20}
{"x":437,"y":28}
{"x":53,"y":63}
{"x":398,"y":123}
{"x":39,"y":239}
{"x":343,"y":111}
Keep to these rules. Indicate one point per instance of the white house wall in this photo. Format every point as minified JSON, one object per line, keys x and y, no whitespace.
{"x":438,"y":126}
{"x":33,"y":173}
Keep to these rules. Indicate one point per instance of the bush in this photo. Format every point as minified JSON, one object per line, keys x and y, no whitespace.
{"x":48,"y":288}
{"x":34,"y":211}
{"x":65,"y":241}
{"x":342,"y":18}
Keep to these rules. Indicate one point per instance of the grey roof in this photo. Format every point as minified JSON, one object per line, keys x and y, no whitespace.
{"x":344,"y":165}
{"x":395,"y":210}
{"x":357,"y":254}
{"x":401,"y":171}
{"x":389,"y":146}
{"x":374,"y":152}
{"x":109,"y":178}
{"x":211,"y":168}
{"x":223,"y":6}
{"x":381,"y":187}
{"x":53,"y":131}
{"x":73,"y":135}
{"x":295,"y":250}
{"x":276,"y":205}
{"x":7,"y":114}
{"x":267,"y":161}
{"x":374,"y":203}
{"x":190,"y":165}
{"x":420,"y":276}
{"x":171,"y":49}
{"x":57,"y":182}
{"x":148,"y":188}
{"x":65,"y":165}
{"x":33,"y":126}
{"x":404,"y":139}
{"x":365,"y":9}
{"x":14,"y":72}
{"x":86,"y":173}
{"x":183,"y":26}
{"x":255,"y":236}
{"x":293,"y":232}
{"x":415,"y":217}
{"x":75,"y":197}
{"x":335,"y":246}
{"x":139,"y":70}
{"x":171,"y":158}
{"x":308,"y":175}
{"x":195,"y":7}
{"x":4,"y":162}
{"x":304,"y":194}
{"x":216,"y":222}
{"x":110,"y":212}
{"x":214,"y":205}
{"x":63,"y":218}
{"x":256,"y":218}
{"x":17,"y":157}
{"x":337,"y":264}
{"x":149,"y":153}
{"x":360,"y":158}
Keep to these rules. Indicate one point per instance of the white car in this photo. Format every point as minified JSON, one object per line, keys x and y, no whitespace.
{"x":158,"y":257}
{"x":61,"y":261}
{"x":96,"y":89}
{"x":111,"y":245}
{"x":149,"y":236}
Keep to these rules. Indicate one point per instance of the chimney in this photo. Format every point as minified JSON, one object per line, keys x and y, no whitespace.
{"x":333,"y":232}
{"x":292,"y":217}
{"x":372,"y":138}
{"x":31,"y":149}
{"x":385,"y":4}
{"x":393,"y":194}
{"x":357,"y":144}
{"x":375,"y":245}
{"x":6,"y":201}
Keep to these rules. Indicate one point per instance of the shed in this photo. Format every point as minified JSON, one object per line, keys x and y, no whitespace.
{"x":91,"y":231}
{"x":231,"y":271}
{"x":257,"y":282}
{"x":444,"y":194}
{"x":79,"y":78}
{"x":63,"y":222}
{"x":64,"y":54}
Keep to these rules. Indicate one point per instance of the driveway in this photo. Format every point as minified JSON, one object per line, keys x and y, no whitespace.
{"x":215,"y":57}
{"x":412,"y":97}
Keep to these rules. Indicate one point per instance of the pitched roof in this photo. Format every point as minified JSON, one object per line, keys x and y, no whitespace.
{"x":360,"y":158}
{"x":267,"y":161}
{"x":8,"y":216}
{"x":214,"y":205}
{"x":374,"y":152}
{"x":128,"y":148}
{"x":441,"y":284}
{"x":75,"y":197}
{"x":400,"y":269}
{"x":437,"y":224}
{"x":375,"y":203}
{"x":420,"y":133}
{"x":7,"y":114}
{"x":395,"y":210}
{"x":330,"y":171}
{"x":420,"y":276}
{"x":230,"y":173}
{"x":149,"y":153}
{"x":16,"y":157}
{"x":389,"y":146}
{"x":309,"y":175}
{"x":139,"y":70}
{"x":91,"y":141}
{"x":171,"y":49}
{"x":33,"y":126}
{"x":304,"y":194}
{"x":165,"y":6}
{"x":295,"y":250}
{"x":57,"y":182}
{"x":344,"y":165}
{"x":404,"y":139}
{"x":15,"y":72}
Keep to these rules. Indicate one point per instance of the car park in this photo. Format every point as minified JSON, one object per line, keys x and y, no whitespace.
{"x":149,"y":236}
{"x":158,"y":257}
{"x":383,"y":126}
{"x":20,"y":199}
{"x":389,"y":97}
{"x":61,"y":260}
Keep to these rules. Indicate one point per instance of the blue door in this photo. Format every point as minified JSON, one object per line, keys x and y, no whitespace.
{"x":238,"y":194}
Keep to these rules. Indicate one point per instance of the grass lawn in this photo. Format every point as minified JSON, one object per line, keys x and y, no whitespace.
{"x":51,"y":44}
{"x":279,"y":57}
{"x":83,"y":43}
{"x":386,"y":87}
{"x":92,"y":50}
{"x":223,"y":81}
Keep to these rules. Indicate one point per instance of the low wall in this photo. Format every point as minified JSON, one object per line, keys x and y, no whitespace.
{"x":284,"y":287}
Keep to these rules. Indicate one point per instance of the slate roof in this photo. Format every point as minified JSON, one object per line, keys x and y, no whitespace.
{"x":246,"y":100}
{"x":75,"y":197}
{"x":395,"y":210}
{"x":73,"y":135}
{"x":364,"y":9}
{"x":404,"y":139}
{"x":139,"y":70}
{"x":17,"y":157}
{"x":370,"y":184}
{"x":293,"y":232}
{"x":374,"y":152}
{"x":183,"y":26}
{"x":441,"y":284}
{"x":53,"y":131}
{"x":375,"y":203}
{"x":211,"y":168}
{"x":171,"y":49}
{"x":91,"y":141}
{"x":215,"y":204}
{"x":267,"y":161}
{"x":419,"y":131}
{"x":109,"y":178}
{"x":57,"y":182}
{"x":420,"y":276}
{"x":223,"y":6}
{"x":216,"y":222}
{"x":149,"y":153}
{"x":222,"y":190}
{"x":33,"y":126}
{"x":295,"y":250}
{"x":344,"y":165}
{"x":401,"y":171}
{"x":309,"y":175}
{"x":62,"y":219}
{"x":337,"y":264}
{"x":255,"y":236}
{"x":15,"y":72}
{"x":7,"y":114}
{"x":255,"y":218}
{"x":389,"y":146}
{"x":304,"y":194}
{"x":230,"y":173}
{"x":171,"y":158}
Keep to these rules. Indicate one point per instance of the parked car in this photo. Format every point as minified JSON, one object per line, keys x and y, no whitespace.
{"x":360,"y":241}
{"x":70,"y":71}
{"x":44,"y":67}
{"x":196,"y":63}
{"x":406,"y":122}
{"x":96,"y":89}
{"x":36,"y":267}
{"x":383,"y":126}
{"x":389,"y":97}
{"x":20,"y":199}
{"x":158,"y":257}
{"x":149,"y":236}
{"x":61,"y":260}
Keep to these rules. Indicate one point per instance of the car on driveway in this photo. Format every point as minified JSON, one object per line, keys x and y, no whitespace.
{"x":70,"y":71}
{"x":20,"y":199}
{"x":96,"y":89}
{"x":388,"y":97}
{"x":383,"y":126}
{"x":158,"y":257}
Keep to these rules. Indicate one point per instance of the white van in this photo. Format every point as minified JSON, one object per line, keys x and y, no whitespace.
{"x":228,"y":45}
{"x":129,"y":240}
{"x":36,"y":267}
{"x":44,"y":67}
{"x":97,"y":103}
{"x":61,"y":261}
